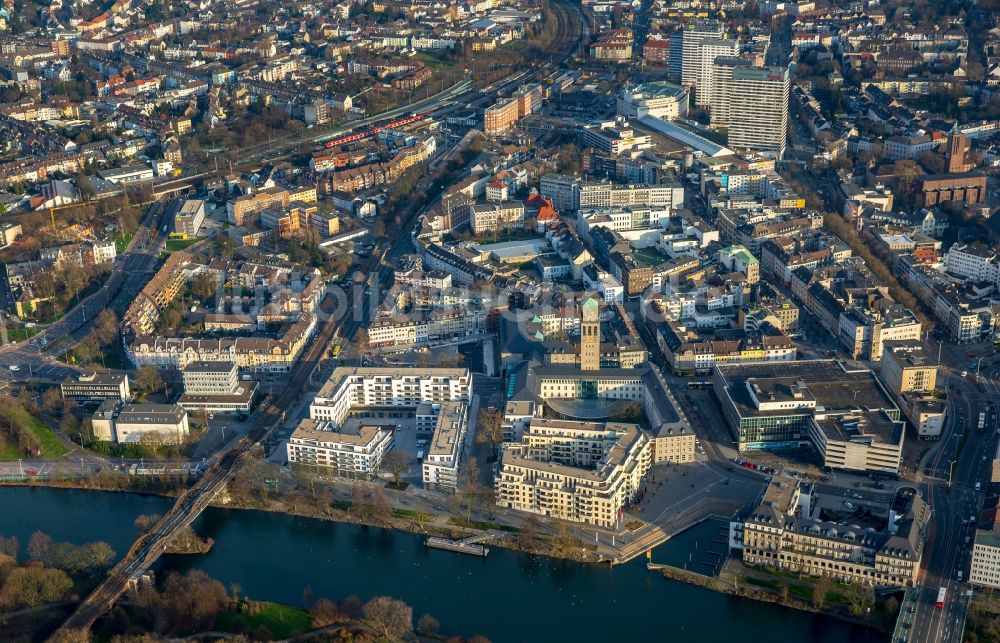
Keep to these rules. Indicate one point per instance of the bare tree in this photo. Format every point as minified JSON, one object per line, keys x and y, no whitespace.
{"x":820,"y":589}
{"x":325,"y":612}
{"x":359,"y":501}
{"x":381,"y":507}
{"x":528,"y":535}
{"x":489,"y":429}
{"x":397,"y":463}
{"x":860,"y":598}
{"x":427,"y":624}
{"x":9,"y":546}
{"x":106,"y":327}
{"x":149,"y":380}
{"x":392,"y":617}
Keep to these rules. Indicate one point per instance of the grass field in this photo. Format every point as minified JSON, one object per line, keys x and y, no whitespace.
{"x":480,"y":524}
{"x":174,"y":245}
{"x":649,"y":256}
{"x":281,"y":620}
{"x":21,"y":334}
{"x":433,"y":61}
{"x":50,"y":444}
{"x":122,"y":241}
{"x":506,"y":236}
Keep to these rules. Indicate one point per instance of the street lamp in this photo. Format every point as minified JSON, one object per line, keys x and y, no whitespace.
{"x":951,"y":468}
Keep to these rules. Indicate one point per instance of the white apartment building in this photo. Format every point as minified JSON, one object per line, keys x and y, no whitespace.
{"x":614,"y":137}
{"x":569,"y":193}
{"x":861,"y":441}
{"x":104,"y":251}
{"x":210,"y":378}
{"x":215,"y":386}
{"x":985,"y":569}
{"x":758,"y":109}
{"x":388,"y":387}
{"x":674,"y":445}
{"x":693,"y":35}
{"x":585,"y":472}
{"x":562,"y":190}
{"x":90,"y":387}
{"x":120,"y":423}
{"x":355,"y":455}
{"x":605,"y":195}
{"x":610,"y":289}
{"x":620,"y":218}
{"x":427,"y":326}
{"x":440,"y":464}
{"x":493,"y":217}
{"x":718,"y":95}
{"x":189,"y":217}
{"x":973,"y":262}
{"x":708,"y":50}
{"x":896,"y":148}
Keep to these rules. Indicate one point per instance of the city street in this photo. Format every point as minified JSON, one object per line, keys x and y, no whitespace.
{"x":962,"y":456}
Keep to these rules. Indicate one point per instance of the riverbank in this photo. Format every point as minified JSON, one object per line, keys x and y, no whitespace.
{"x":555,"y":542}
{"x":768,"y":586}
{"x":275,"y":558}
{"x":735,"y":579}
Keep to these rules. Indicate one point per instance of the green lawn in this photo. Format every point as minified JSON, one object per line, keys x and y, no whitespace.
{"x":409,"y":513}
{"x":480,"y":524}
{"x":432,"y":61}
{"x":720,"y":136}
{"x":21,"y":334}
{"x":174,"y":245}
{"x":649,"y":256}
{"x":508,"y":235}
{"x":51,"y":446}
{"x":122,"y":241}
{"x":281,"y":620}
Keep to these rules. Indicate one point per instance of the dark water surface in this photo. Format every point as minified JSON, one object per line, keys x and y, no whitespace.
{"x":507,"y":596}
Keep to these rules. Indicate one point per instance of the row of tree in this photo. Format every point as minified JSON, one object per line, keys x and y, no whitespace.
{"x":48,"y":576}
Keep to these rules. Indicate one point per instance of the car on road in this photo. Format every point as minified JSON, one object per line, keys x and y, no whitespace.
{"x":848,"y":505}
{"x":14,"y":367}
{"x":857,"y":496}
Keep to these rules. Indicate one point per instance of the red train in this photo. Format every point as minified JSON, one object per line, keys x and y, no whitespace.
{"x":375,"y":130}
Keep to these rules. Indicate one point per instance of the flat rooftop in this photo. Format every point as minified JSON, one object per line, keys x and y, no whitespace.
{"x":910,"y":354}
{"x":448,"y":429}
{"x":343,"y":372}
{"x":352,"y":434}
{"x":868,"y":427}
{"x":987,"y":538}
{"x":824,"y":381}
{"x":209,"y":367}
{"x":96,"y":378}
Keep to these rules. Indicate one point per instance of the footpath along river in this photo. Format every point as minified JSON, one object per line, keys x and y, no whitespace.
{"x":507,"y":596}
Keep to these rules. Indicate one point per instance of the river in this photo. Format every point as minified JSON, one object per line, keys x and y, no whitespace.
{"x":507,"y":596}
